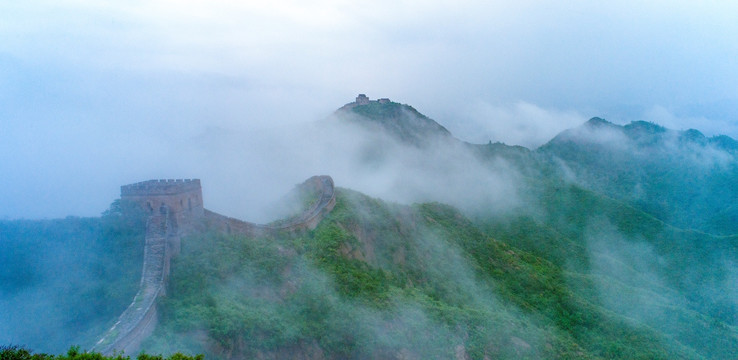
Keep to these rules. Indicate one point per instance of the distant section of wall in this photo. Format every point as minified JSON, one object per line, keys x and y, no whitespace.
{"x":175,"y":207}
{"x":362,"y":99}
{"x":309,"y":219}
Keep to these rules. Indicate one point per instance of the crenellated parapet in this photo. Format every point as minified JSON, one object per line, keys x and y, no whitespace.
{"x":182,"y":198}
{"x":160,"y":187}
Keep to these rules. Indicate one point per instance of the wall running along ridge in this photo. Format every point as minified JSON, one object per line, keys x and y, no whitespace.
{"x":309,"y":219}
{"x":175,"y":209}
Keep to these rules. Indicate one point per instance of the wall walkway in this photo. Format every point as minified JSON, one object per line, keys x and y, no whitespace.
{"x":309,"y":219}
{"x":163,"y":234}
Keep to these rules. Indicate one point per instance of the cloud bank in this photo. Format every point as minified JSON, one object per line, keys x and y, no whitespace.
{"x":95,"y":94}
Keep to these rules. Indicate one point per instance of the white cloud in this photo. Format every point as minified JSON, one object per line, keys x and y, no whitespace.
{"x":170,"y":69}
{"x":520,"y":123}
{"x":708,"y":126}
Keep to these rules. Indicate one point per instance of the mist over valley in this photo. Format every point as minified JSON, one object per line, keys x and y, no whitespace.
{"x":608,"y":241}
{"x":368,"y":180}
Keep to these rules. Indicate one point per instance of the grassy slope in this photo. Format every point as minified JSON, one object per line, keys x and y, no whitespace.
{"x":400,"y":121}
{"x":684,"y":179}
{"x":653,"y":274}
{"x":377,"y":280}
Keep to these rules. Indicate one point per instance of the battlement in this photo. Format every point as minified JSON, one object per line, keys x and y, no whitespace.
{"x":160,"y":187}
{"x":181,"y":197}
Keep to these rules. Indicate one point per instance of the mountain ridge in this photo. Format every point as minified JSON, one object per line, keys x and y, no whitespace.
{"x":646,"y":132}
{"x":582,"y":248}
{"x":399,"y":120}
{"x":407,"y":124}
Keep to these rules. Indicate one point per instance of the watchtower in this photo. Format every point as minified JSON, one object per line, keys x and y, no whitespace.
{"x":180,"y":198}
{"x":362,"y":100}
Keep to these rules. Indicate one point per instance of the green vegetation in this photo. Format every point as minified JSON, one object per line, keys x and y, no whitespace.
{"x":75,"y":275}
{"x":377,"y":279}
{"x":622,"y":245}
{"x":650,"y":273}
{"x":402,"y":122}
{"x":682,"y":178}
{"x":20,"y":353}
{"x":293,"y":205}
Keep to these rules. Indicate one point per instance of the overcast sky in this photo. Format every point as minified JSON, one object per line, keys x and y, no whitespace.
{"x":93,"y":94}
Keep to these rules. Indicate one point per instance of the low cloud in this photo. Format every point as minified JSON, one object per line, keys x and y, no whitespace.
{"x":519,"y":123}
{"x":707,"y":125}
{"x":242,"y":171}
{"x":94,"y":87}
{"x":296,"y":302}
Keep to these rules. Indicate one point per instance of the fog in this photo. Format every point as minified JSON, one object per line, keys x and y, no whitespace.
{"x":95,"y":95}
{"x":246,"y":170}
{"x":655,"y":287}
{"x":293,"y":294}
{"x":643,"y":268}
{"x":64,"y":281}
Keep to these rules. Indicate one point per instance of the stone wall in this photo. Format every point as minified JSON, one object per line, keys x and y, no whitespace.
{"x":172,"y":218}
{"x":362,"y":99}
{"x":139,"y":319}
{"x":183,"y":197}
{"x":309,"y":219}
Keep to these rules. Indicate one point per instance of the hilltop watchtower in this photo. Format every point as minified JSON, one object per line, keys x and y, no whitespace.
{"x":362,"y":100}
{"x":181,"y":198}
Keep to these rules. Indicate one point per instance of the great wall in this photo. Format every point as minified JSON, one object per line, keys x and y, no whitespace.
{"x":362,"y":99}
{"x":175,"y":209}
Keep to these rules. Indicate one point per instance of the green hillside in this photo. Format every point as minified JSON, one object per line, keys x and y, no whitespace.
{"x":401,"y":121}
{"x":682,"y":178}
{"x":608,"y":242}
{"x":378,"y":280}
{"x":674,"y":281}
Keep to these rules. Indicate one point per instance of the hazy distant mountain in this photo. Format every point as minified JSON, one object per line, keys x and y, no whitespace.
{"x":681,"y":177}
{"x":581,"y":249}
{"x":408,"y":126}
{"x":399,"y":120}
